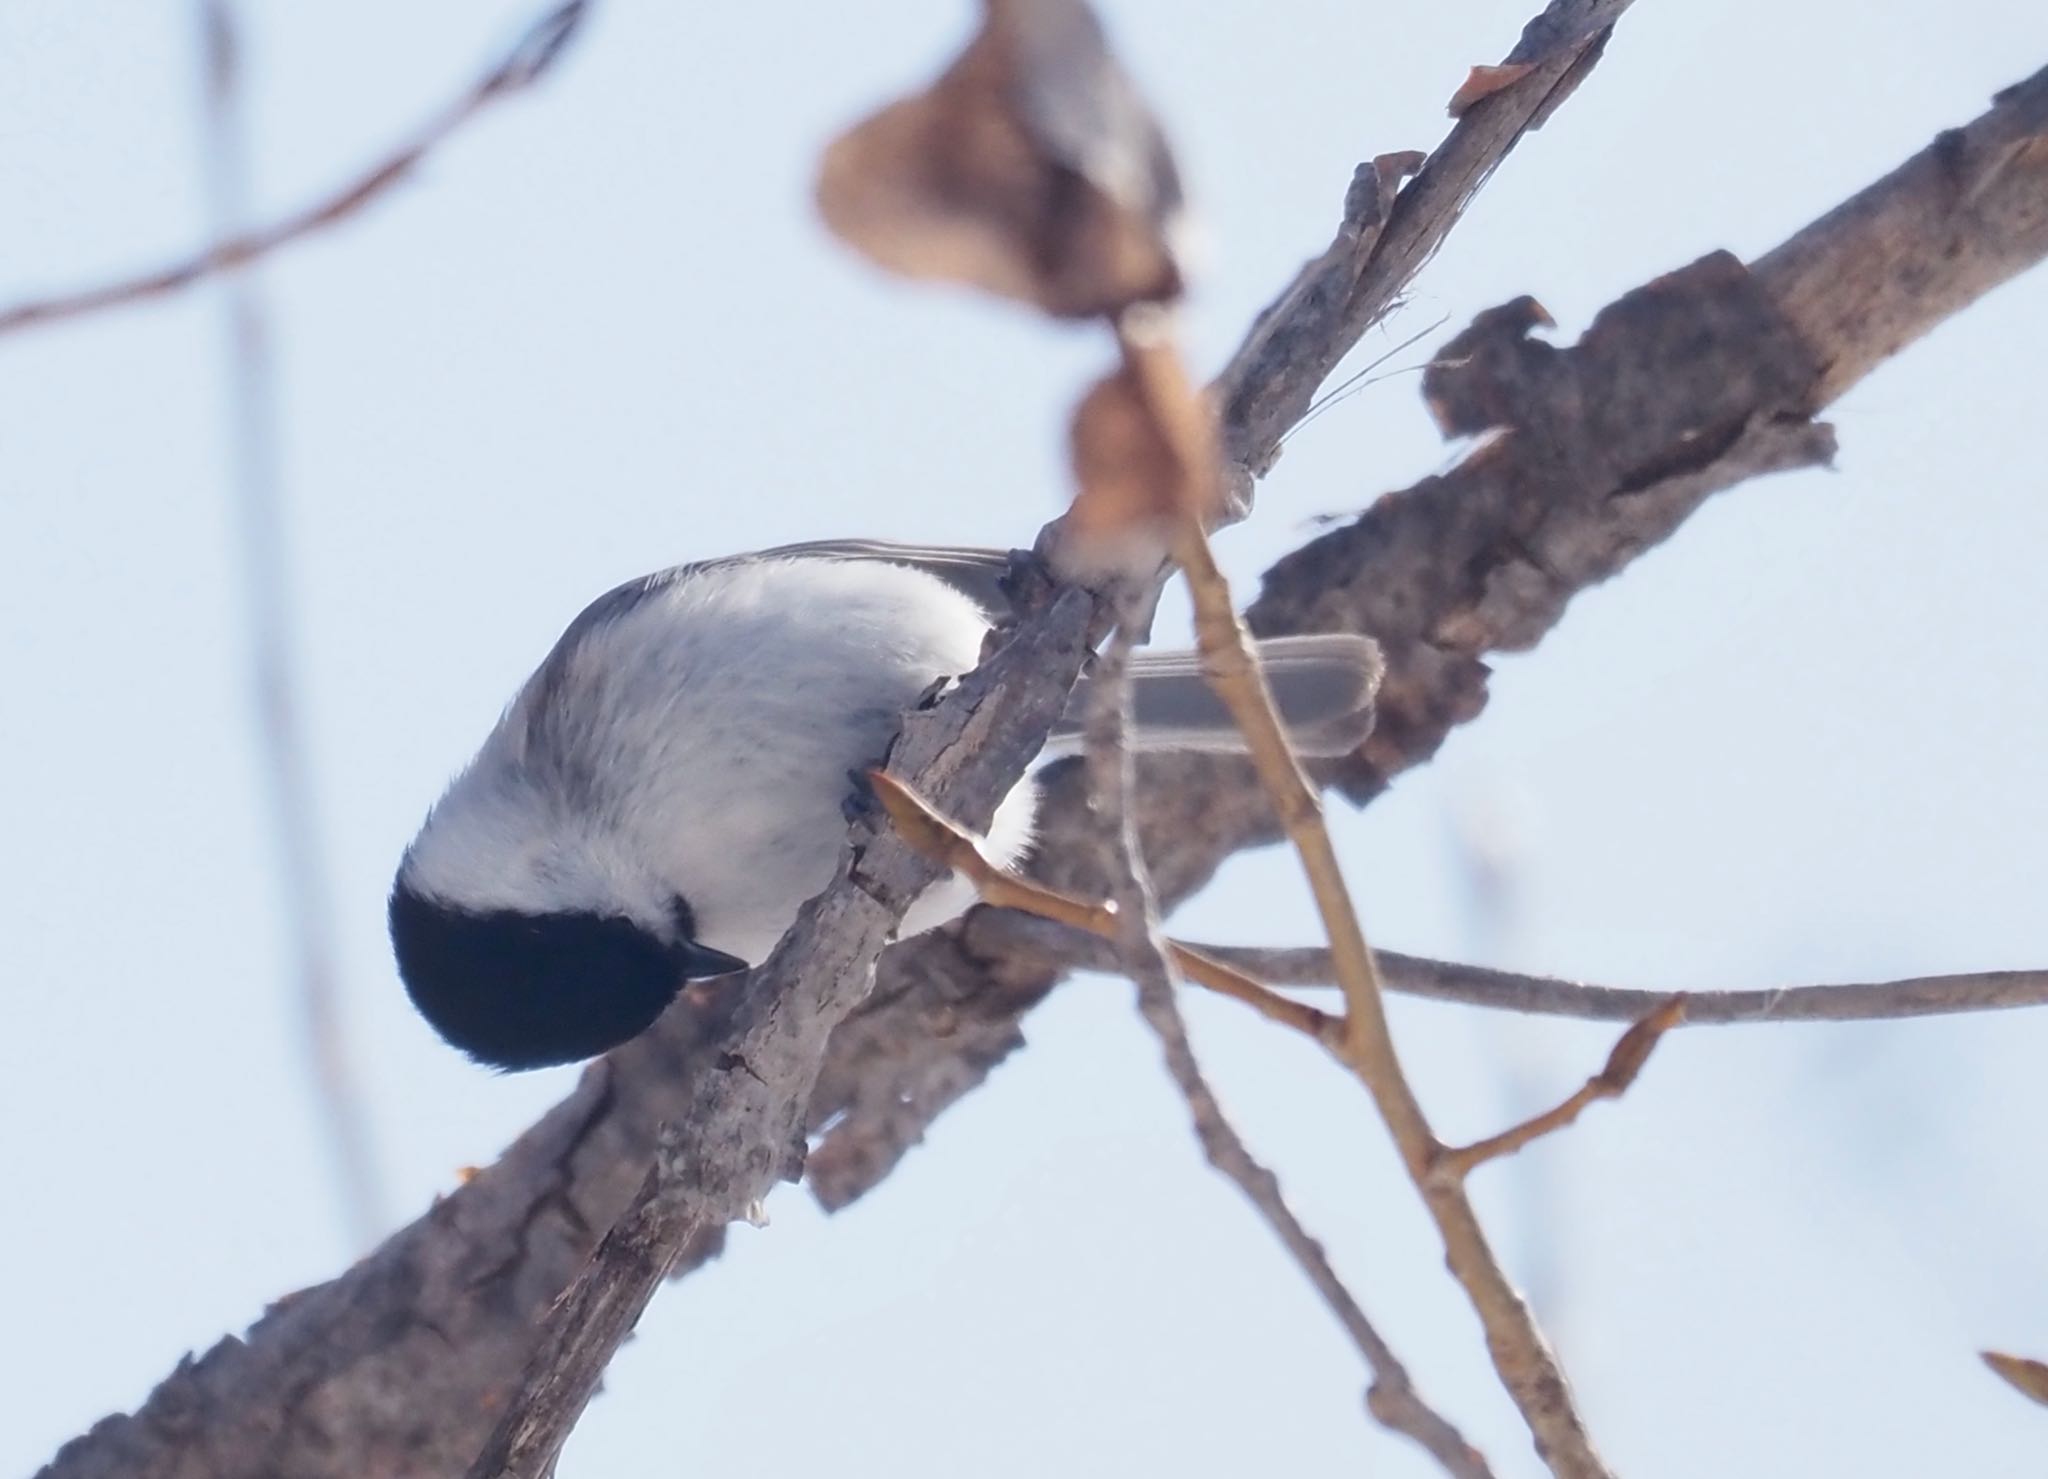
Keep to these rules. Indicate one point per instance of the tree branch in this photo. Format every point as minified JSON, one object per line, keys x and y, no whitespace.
{"x":1023,"y":936}
{"x":355,"y":1376}
{"x":1454,"y":1163}
{"x":1145,"y":955}
{"x":1384,"y":239}
{"x":1674,"y":379}
{"x":954,"y":847}
{"x":524,"y":65}
{"x":1523,"y":1359}
{"x":743,"y":1129}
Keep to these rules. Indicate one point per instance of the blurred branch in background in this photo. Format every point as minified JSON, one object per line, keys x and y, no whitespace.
{"x":236,"y":244}
{"x":256,"y":474}
{"x":359,"y":1375}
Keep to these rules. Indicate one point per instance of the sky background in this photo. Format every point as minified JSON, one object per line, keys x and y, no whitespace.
{"x":600,"y":332}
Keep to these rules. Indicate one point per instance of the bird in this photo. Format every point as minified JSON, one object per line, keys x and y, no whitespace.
{"x":670,"y":785}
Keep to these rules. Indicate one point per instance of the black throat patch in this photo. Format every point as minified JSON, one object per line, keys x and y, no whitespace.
{"x":520,"y":990}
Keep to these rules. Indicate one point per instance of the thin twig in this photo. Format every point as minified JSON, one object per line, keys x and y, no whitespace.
{"x":1029,"y":936}
{"x":1146,"y":957}
{"x":952,"y":846}
{"x":1611,"y":1082}
{"x":1392,"y":1398}
{"x":257,"y":478}
{"x":1523,"y":1358}
{"x":1551,"y":996}
{"x":525,"y":64}
{"x":355,"y":1376}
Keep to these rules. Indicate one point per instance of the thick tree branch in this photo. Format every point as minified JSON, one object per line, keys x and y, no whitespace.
{"x":356,"y":1376}
{"x":1963,"y":215}
{"x":520,"y":68}
{"x":1682,"y":389}
{"x":743,"y":1128}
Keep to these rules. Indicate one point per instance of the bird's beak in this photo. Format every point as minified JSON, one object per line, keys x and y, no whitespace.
{"x":699,"y":961}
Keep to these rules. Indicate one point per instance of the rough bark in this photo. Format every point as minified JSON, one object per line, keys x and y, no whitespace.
{"x":1718,"y":367}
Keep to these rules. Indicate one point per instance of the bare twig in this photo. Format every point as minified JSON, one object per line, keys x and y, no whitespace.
{"x":355,"y":1375}
{"x":1685,"y":388}
{"x":1027,"y":936}
{"x":1522,"y":1357}
{"x":1611,"y":1082}
{"x":1386,"y":238}
{"x":1146,"y":956}
{"x":257,"y":479}
{"x":2024,"y":1374}
{"x":1550,"y":996}
{"x":521,"y":67}
{"x":953,"y":847}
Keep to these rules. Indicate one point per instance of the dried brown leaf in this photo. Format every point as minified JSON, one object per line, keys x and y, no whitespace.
{"x":1484,"y":82}
{"x":2029,"y":1376}
{"x":1127,"y":479}
{"x":1031,"y":168}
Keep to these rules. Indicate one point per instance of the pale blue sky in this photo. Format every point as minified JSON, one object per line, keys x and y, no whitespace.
{"x":601,"y":333}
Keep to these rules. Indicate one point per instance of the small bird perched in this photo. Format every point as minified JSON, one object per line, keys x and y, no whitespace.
{"x":668,"y":788}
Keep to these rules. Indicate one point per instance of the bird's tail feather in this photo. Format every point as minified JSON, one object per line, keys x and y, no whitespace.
{"x":1323,"y":684}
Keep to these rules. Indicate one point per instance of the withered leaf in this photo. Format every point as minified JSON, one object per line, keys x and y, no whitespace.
{"x":1128,"y":481}
{"x":2030,"y":1377}
{"x":1146,"y":459}
{"x":1484,"y":82}
{"x":1031,"y":168}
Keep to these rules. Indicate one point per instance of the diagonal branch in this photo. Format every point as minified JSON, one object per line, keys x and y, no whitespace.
{"x":256,"y":476}
{"x":355,"y":1377}
{"x":1384,"y":239}
{"x":743,"y":1129}
{"x":525,"y":64}
{"x":955,"y":848}
{"x":1454,"y":1163}
{"x":1484,"y":559}
{"x":1146,"y":957}
{"x":1522,"y":1357}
